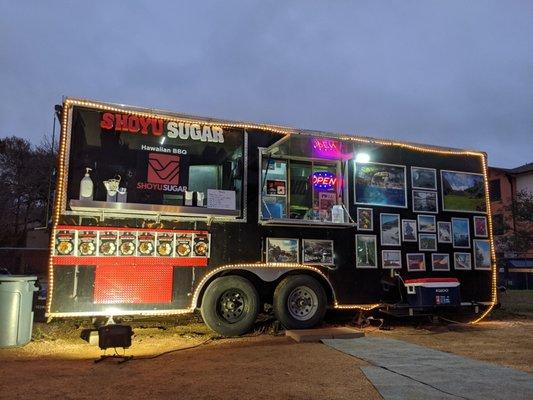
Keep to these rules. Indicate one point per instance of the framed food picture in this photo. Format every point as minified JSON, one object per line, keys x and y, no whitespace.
{"x":107,"y":243}
{"x":365,"y":251}
{"x":427,"y":223}
{"x":380,"y":184}
{"x":423,"y":178}
{"x":462,"y":261}
{"x":427,"y":242}
{"x":65,"y":242}
{"x":409,"y":233}
{"x":462,"y":191}
{"x":425,"y":201}
{"x":200,"y":246}
{"x":480,"y":226}
{"x":127,"y":243}
{"x":440,"y":262}
{"x":390,"y":229}
{"x":391,"y":259}
{"x":282,"y":250}
{"x":87,"y":245}
{"x":317,"y":252}
{"x":365,"y":219}
{"x":165,"y":244}
{"x":481,"y":254}
{"x":415,"y":262}
{"x":461,"y":233}
{"x":146,"y":243}
{"x":183,"y":246}
{"x":444,"y":232}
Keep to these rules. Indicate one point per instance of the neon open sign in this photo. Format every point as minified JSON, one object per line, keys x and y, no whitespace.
{"x":326,"y":148}
{"x":324,"y":180}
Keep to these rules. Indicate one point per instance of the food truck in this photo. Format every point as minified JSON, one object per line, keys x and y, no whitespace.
{"x":158,"y":213}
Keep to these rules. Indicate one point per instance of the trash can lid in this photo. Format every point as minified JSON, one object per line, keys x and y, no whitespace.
{"x":17,"y":278}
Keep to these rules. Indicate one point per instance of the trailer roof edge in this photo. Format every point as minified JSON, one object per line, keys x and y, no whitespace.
{"x":267,"y":126}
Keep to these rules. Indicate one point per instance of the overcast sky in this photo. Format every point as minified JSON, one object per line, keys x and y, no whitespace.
{"x":451,"y":73}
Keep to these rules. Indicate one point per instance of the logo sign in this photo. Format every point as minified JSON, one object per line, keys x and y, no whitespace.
{"x":172,"y":130}
{"x":163,"y":173}
{"x":324,"y":180}
{"x":163,"y":168}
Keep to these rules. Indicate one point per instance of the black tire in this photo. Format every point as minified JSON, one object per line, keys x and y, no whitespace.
{"x":230,"y":305}
{"x":299,"y":302}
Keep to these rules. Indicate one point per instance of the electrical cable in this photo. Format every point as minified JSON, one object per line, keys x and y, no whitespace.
{"x":172,"y":351}
{"x":450,"y":320}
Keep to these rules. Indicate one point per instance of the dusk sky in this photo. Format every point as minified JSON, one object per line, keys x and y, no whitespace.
{"x":450,"y":73}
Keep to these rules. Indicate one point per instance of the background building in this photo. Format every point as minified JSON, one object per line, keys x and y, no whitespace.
{"x":513,"y":224}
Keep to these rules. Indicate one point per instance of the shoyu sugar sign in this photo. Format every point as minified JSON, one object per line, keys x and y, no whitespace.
{"x":157,"y":127}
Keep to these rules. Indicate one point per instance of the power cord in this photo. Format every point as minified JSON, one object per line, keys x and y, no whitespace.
{"x":172,"y":351}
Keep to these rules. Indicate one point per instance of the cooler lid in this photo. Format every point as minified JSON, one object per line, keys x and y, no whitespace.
{"x":433,"y":282}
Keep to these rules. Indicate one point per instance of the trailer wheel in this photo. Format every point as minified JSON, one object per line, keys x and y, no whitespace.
{"x":299,"y":302}
{"x":230,"y":305}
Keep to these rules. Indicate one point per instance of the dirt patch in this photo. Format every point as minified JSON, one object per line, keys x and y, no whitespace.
{"x":274,"y":367}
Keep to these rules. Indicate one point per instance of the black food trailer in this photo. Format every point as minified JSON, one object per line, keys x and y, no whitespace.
{"x":158,"y":213}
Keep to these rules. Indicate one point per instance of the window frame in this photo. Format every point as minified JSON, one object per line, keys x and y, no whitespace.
{"x":343,"y":193}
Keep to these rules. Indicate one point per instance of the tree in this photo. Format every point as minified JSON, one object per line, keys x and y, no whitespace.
{"x":519,"y":234}
{"x":25,"y":172}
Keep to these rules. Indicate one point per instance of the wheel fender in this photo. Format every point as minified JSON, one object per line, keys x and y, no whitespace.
{"x":266,"y":273}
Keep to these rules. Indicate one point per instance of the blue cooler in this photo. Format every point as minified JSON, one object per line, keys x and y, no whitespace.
{"x":433,"y":292}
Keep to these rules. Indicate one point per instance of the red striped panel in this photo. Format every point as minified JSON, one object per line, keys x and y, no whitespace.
{"x":134,"y":285}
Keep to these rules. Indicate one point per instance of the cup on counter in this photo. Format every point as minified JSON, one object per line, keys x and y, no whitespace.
{"x":200,"y":199}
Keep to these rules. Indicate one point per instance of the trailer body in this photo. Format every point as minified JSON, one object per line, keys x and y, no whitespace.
{"x":202,"y":198}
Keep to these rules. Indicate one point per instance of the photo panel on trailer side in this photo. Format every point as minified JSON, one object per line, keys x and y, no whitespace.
{"x":389,"y":228}
{"x":462,"y":192}
{"x":366,"y":251}
{"x":423,"y":178}
{"x":409,"y":230}
{"x":380,"y":184}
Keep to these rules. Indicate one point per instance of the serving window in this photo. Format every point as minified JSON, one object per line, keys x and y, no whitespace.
{"x":170,"y":168}
{"x":300,"y":186}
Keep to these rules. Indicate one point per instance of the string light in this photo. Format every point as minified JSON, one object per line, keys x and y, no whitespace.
{"x":494,"y":292}
{"x":62,"y":177}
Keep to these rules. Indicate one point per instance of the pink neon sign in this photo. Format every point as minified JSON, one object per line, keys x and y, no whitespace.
{"x":326,"y":148}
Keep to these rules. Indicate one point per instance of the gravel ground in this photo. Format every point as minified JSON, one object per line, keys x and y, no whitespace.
{"x":58,"y":364}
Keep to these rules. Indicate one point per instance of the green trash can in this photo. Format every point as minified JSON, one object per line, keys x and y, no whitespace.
{"x":16,"y":315}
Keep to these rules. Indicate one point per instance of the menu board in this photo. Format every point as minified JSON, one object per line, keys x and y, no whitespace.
{"x":221,"y":199}
{"x":113,"y":243}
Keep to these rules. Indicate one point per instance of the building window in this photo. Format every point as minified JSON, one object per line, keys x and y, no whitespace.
{"x":498,"y":224}
{"x":495,"y":190}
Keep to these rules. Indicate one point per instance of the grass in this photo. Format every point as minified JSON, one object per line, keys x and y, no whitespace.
{"x":455,"y":202}
{"x":517,"y":301}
